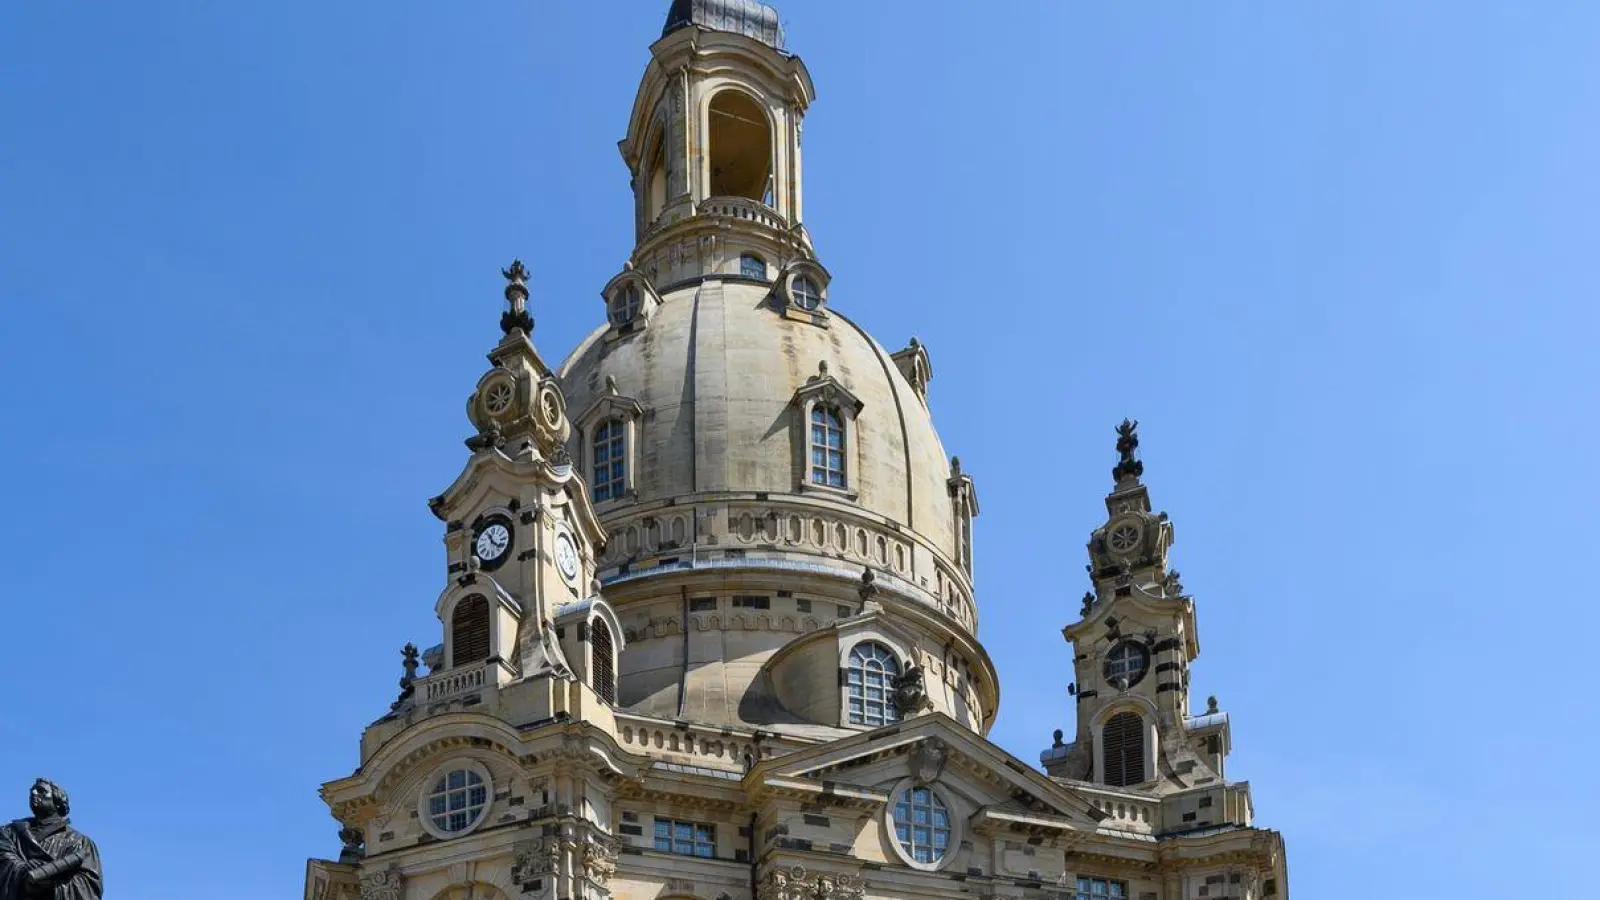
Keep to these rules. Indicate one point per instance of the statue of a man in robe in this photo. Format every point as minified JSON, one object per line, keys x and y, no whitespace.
{"x":44,"y":857}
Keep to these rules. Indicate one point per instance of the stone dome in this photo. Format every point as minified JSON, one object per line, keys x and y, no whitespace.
{"x":717,"y":372}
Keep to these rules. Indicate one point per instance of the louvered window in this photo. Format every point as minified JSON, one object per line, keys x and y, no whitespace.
{"x":1122,"y":741}
{"x":602,"y":656}
{"x":469,"y":631}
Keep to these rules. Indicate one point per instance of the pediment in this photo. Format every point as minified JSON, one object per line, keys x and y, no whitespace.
{"x":1006,"y":793}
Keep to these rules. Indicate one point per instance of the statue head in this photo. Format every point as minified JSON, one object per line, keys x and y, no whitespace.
{"x":47,"y":798}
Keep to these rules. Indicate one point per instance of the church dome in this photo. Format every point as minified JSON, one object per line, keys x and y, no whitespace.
{"x":746,"y":17}
{"x":717,"y":381}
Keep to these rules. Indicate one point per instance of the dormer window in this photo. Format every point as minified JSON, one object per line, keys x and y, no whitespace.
{"x":807,"y":295}
{"x":869,"y":682}
{"x":624,"y":306}
{"x":827,"y":447}
{"x":753,"y":267}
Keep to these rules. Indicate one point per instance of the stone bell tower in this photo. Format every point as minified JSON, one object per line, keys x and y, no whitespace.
{"x":713,"y":145}
{"x":1132,"y":648}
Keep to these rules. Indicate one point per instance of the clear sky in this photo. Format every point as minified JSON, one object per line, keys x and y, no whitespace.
{"x":1338,"y":258}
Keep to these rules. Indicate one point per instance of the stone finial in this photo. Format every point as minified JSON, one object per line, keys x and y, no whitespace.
{"x":516,"y":316}
{"x":1127,"y":442}
{"x":1088,"y":604}
{"x":955,"y":467}
{"x":408,"y":678}
{"x":1056,"y":738}
{"x":822,"y":369}
{"x":611,"y":385}
{"x":1211,"y":705}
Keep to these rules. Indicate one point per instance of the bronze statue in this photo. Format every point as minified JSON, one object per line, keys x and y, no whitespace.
{"x":44,"y":857}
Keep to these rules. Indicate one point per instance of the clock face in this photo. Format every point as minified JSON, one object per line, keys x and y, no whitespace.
{"x":493,"y":542}
{"x":566,"y":557}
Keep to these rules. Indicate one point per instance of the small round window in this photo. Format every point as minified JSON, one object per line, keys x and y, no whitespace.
{"x":806,"y":293}
{"x":457,"y":800}
{"x":625,"y":305}
{"x":1126,"y":664}
{"x":922,"y":825}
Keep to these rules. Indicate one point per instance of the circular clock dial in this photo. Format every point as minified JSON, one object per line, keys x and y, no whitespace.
{"x":566,"y":557}
{"x":493,"y":542}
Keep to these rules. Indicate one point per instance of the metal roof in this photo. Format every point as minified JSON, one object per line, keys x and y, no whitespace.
{"x":746,"y":17}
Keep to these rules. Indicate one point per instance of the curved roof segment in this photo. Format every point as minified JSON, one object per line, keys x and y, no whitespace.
{"x":746,"y":17}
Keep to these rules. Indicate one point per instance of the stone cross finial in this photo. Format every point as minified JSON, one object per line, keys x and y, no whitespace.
{"x":517,"y":297}
{"x":1127,"y":442}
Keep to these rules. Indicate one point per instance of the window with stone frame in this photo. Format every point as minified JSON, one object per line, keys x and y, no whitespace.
{"x":686,"y":838}
{"x":1122,"y":746}
{"x":1100,"y":889}
{"x":869,"y":683}
{"x":469,"y":631}
{"x":624,"y":305}
{"x":753,"y":267}
{"x":609,"y":460}
{"x":828,"y":447}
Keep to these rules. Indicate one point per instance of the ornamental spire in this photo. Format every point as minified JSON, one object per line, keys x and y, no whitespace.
{"x":1127,"y":466}
{"x":516,"y":316}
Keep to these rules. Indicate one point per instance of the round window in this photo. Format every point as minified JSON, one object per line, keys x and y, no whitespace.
{"x":922,"y":825}
{"x":457,"y":800}
{"x":1126,"y":664}
{"x":806,"y":293}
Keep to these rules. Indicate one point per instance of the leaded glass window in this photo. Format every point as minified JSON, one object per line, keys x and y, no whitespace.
{"x":457,"y":801}
{"x":870,"y":680}
{"x":827,"y":447}
{"x":610,"y":470}
{"x":922,"y":825}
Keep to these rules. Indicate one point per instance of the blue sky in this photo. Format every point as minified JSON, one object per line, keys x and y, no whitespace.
{"x":1338,"y":258}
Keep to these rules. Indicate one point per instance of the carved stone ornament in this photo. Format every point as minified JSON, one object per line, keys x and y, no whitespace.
{"x":599,"y":861}
{"x":384,"y":884}
{"x":1127,"y":442}
{"x":910,"y":695}
{"x":927,"y":762}
{"x":795,"y":884}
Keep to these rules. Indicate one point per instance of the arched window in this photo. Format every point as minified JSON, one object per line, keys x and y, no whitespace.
{"x":873,"y":670}
{"x":752,"y":266}
{"x":1122,"y":743}
{"x":657,"y":199}
{"x":807,"y":295}
{"x":610,"y":459}
{"x":603,"y":661}
{"x":827,"y":447}
{"x":624,"y":306}
{"x":741,"y":147}
{"x":469,"y":631}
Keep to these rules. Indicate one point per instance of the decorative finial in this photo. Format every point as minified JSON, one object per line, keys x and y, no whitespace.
{"x":1211,"y":704}
{"x":1057,"y":738}
{"x":822,"y":369}
{"x":611,"y":385}
{"x":955,"y":467}
{"x":408,"y":680}
{"x":517,"y":296}
{"x":1127,"y":442}
{"x":1088,"y":604}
